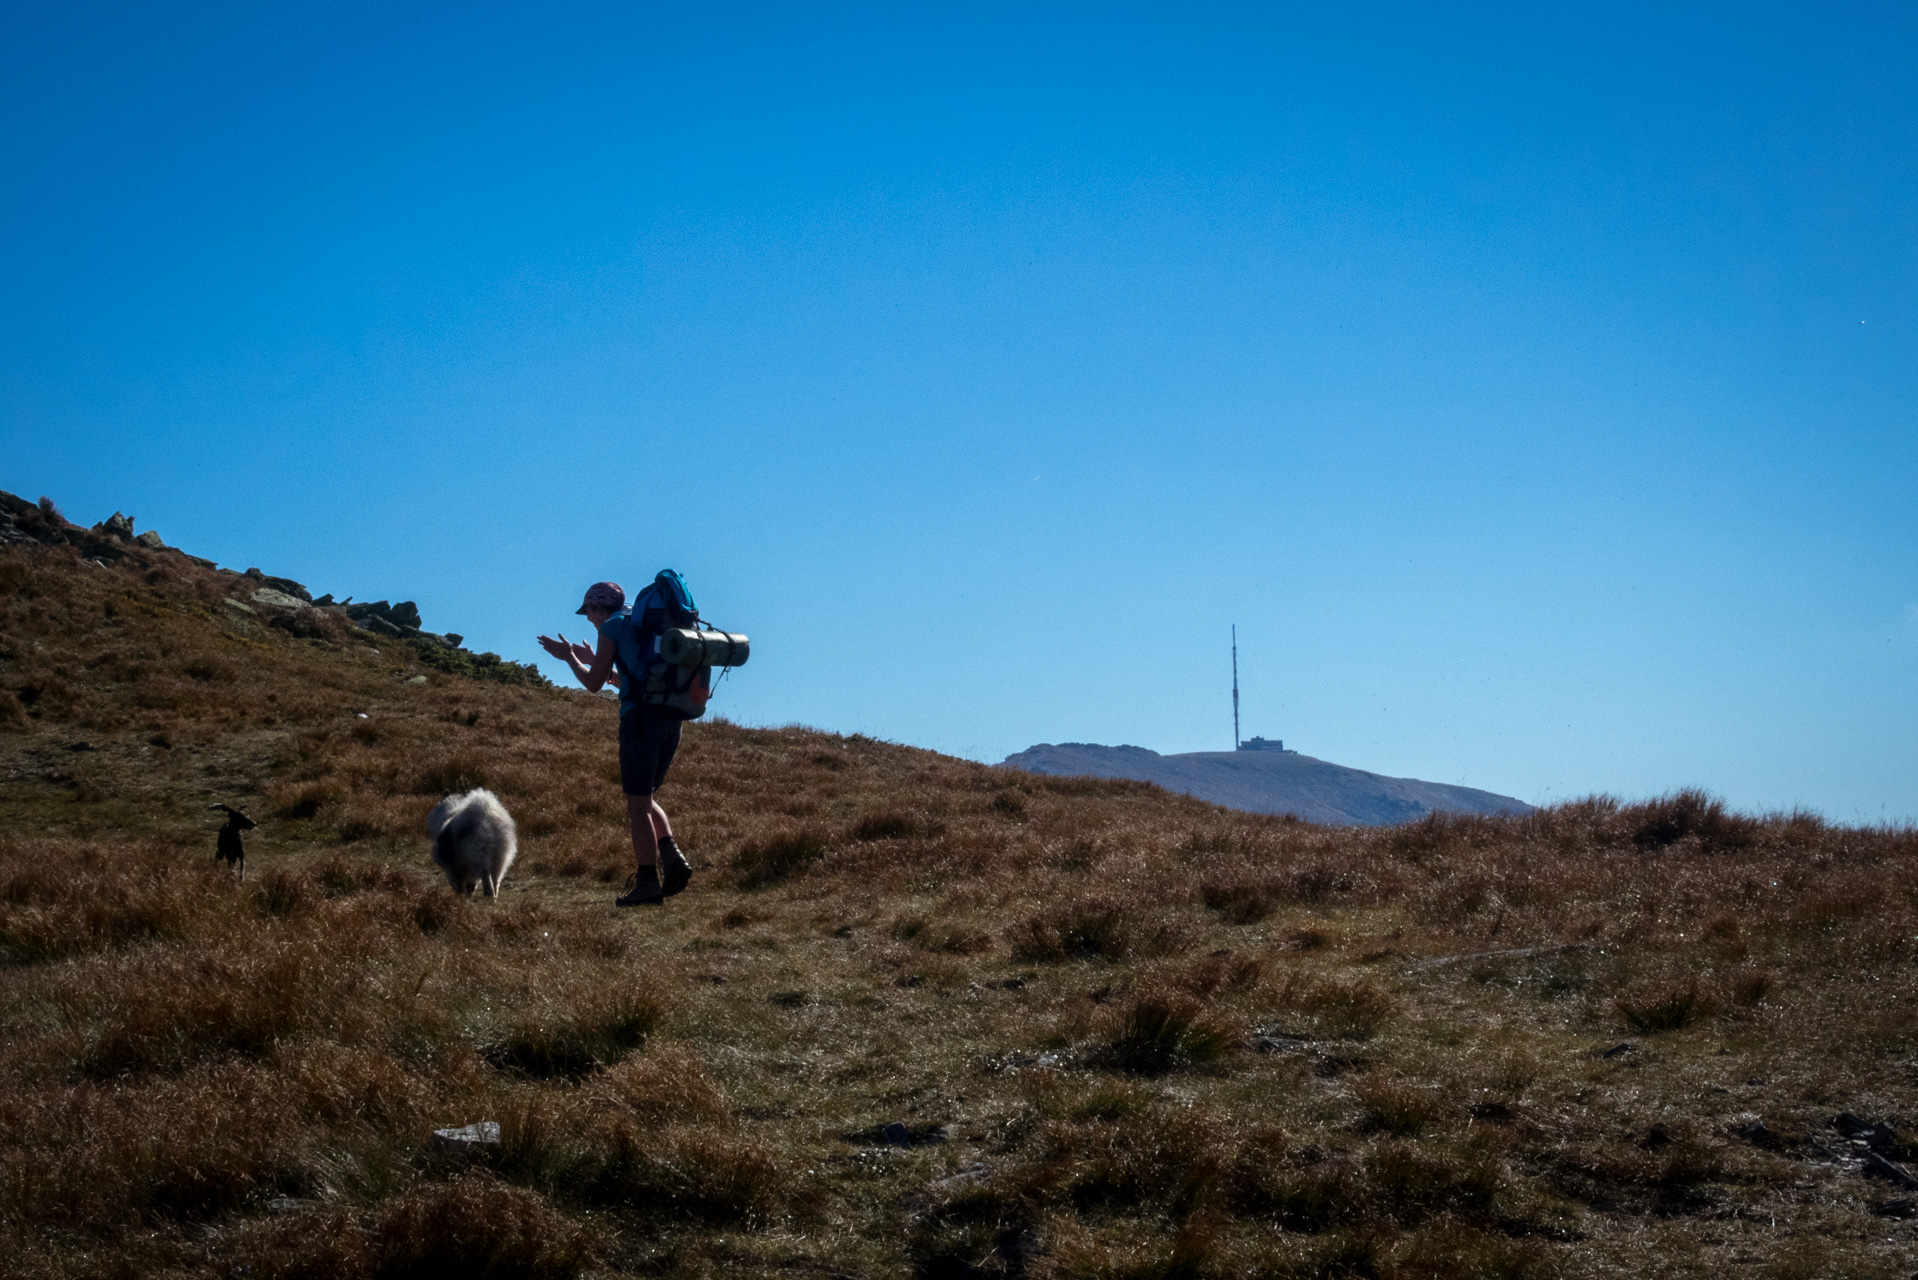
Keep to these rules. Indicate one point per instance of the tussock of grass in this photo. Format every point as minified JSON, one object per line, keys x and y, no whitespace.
{"x":1091,"y":927}
{"x":897,"y":824}
{"x":779,"y":856}
{"x":1689,"y":815}
{"x":1398,"y":1108}
{"x":472,"y":1226}
{"x":1670,"y":1006}
{"x":1159,"y":1031}
{"x":1242,"y":899}
{"x":469,"y":1226}
{"x":687,"y":1172}
{"x":1337,"y":1009}
{"x":929,"y":934}
{"x":572,"y":1043}
{"x":306,"y":799}
{"x":667,"y":1085}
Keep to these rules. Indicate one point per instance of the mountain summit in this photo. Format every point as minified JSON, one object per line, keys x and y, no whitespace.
{"x":1268,"y":781}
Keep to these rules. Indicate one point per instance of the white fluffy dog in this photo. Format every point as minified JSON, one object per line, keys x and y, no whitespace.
{"x":474,"y":840}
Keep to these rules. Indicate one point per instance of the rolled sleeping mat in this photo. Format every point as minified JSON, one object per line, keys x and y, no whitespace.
{"x":686,"y":647}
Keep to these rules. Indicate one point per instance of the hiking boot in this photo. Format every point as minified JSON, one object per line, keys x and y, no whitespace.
{"x":642,"y":889}
{"x":678,"y":870}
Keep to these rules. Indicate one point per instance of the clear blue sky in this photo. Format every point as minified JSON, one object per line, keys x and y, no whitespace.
{"x":1536,"y":391}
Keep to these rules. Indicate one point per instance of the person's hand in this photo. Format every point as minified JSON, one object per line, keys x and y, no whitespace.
{"x":558,"y":648}
{"x":584,"y":654}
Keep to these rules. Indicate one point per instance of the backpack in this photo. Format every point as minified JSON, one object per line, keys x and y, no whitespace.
{"x":678,"y":691}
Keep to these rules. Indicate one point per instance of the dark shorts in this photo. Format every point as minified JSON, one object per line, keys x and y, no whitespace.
{"x":647,"y":741}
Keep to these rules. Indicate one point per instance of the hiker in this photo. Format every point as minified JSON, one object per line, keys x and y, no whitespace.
{"x":648,"y":736}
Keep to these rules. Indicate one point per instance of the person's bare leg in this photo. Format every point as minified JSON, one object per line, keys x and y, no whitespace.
{"x":640,"y":811}
{"x":643,"y":889}
{"x":662,"y":827}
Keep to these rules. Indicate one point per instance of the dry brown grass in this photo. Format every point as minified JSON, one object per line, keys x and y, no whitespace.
{"x":1126,"y":1033}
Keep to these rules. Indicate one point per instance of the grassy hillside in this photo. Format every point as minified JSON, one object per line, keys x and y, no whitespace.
{"x":1121,"y":1033}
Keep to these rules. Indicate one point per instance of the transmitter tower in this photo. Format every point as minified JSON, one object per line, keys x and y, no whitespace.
{"x":1235,"y":686}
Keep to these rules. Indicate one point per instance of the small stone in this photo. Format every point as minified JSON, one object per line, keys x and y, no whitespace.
{"x":284,"y":1204}
{"x":1280,"y":1042}
{"x":1876,"y":1166}
{"x":231,"y":603}
{"x":453,"y":639}
{"x":467,"y":1139}
{"x":965,"y":1177}
{"x":273,"y":599}
{"x":417,"y":680}
{"x":1879,"y":1137}
{"x":406,"y":614}
{"x":149,"y":540}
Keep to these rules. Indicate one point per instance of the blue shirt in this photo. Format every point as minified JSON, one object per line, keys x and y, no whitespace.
{"x":633,"y":653}
{"x":635,"y":637}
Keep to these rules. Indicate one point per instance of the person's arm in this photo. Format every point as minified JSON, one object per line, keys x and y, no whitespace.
{"x":586,"y":657}
{"x":593,"y":677}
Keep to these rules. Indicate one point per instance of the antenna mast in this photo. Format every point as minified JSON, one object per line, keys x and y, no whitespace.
{"x":1235,"y":686}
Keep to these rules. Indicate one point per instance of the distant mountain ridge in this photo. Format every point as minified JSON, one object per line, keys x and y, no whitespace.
{"x":1268,"y":782}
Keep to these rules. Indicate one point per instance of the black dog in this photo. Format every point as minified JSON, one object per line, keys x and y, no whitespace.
{"x":232,"y":847}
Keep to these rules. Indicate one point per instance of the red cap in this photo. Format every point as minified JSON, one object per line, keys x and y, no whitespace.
{"x":604,"y":595}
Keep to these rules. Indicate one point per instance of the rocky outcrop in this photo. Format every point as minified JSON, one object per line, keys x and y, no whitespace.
{"x":41,"y":522}
{"x":108,"y":541}
{"x":287,"y":605}
{"x":403,"y":614}
{"x":277,"y":599}
{"x":285,"y":586}
{"x":400,"y":621}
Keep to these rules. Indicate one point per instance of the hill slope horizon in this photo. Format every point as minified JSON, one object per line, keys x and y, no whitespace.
{"x":1268,"y":782}
{"x":915,"y":1016}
